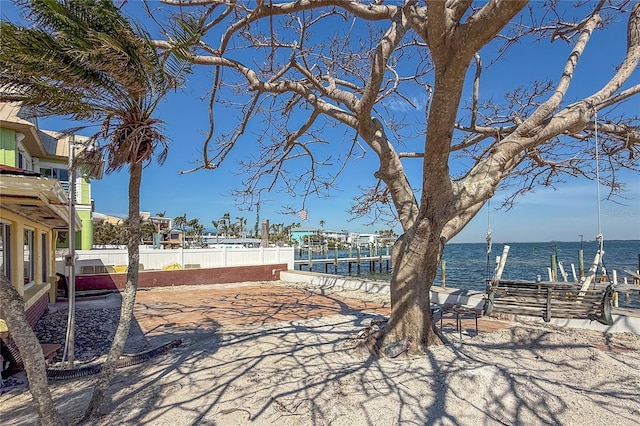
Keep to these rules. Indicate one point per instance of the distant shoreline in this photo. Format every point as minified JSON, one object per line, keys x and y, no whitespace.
{"x":544,"y":242}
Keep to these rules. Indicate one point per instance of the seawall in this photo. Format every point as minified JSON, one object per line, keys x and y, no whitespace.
{"x":624,"y":320}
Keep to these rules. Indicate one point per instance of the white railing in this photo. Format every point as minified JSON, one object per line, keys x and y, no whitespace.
{"x":186,"y":258}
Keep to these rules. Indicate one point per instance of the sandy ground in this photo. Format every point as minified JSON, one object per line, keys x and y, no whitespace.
{"x":305,"y":371}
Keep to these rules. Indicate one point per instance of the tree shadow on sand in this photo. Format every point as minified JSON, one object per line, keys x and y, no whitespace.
{"x":538,"y":375}
{"x":308,"y":371}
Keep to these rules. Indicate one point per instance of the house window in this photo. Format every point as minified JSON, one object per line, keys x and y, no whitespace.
{"x":29,"y":258}
{"x":24,"y":161}
{"x":45,"y":258}
{"x":5,"y":249}
{"x":50,"y":172}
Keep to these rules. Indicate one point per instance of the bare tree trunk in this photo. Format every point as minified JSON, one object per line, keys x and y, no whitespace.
{"x":128,"y":296}
{"x":12,"y":306}
{"x":415,"y":265}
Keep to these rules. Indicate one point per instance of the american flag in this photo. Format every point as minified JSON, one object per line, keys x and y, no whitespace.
{"x":304,"y":214}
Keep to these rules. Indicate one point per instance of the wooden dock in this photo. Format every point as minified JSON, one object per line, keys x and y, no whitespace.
{"x":372,"y":262}
{"x":635,"y":277}
{"x":627,"y":291}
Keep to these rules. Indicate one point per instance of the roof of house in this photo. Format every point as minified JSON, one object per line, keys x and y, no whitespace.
{"x":40,"y":143}
{"x":37,"y":198}
{"x":305,"y":230}
{"x":12,"y":117}
{"x":10,"y":170}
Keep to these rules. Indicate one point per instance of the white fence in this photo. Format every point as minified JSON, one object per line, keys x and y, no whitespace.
{"x":186,"y":258}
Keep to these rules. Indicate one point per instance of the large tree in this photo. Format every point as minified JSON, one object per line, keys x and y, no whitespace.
{"x":12,"y":305}
{"x":300,"y":68}
{"x":82,"y":59}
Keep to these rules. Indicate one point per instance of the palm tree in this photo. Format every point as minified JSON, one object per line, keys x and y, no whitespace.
{"x":216,"y":226}
{"x":180,"y":222}
{"x":84,"y":60}
{"x":226,"y":224}
{"x":30,"y":351}
{"x":196,"y":231}
{"x":241,"y":230}
{"x":147,"y":229}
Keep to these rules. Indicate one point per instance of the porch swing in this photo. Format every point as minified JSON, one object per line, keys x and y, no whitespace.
{"x":551,"y":299}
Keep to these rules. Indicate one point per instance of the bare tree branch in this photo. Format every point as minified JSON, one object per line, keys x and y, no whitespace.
{"x":298,"y":69}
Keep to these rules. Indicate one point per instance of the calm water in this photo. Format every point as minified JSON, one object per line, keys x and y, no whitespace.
{"x":466,"y":264}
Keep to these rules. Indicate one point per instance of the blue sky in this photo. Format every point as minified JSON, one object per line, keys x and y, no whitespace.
{"x":561,"y":214}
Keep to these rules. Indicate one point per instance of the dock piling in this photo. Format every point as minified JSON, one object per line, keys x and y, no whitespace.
{"x":443,"y":273}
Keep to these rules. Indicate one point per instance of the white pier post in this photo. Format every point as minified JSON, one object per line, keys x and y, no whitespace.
{"x":503,"y":260}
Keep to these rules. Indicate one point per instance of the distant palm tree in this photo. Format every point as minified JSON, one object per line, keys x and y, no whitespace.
{"x":226,"y":224}
{"x":216,"y":226}
{"x":196,"y":231}
{"x":180,"y":222}
{"x":322,"y":224}
{"x":84,"y":60}
{"x":147,"y":229}
{"x":242,"y":224}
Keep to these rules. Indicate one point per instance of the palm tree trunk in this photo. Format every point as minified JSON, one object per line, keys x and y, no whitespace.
{"x":12,"y":306}
{"x":128,"y":295}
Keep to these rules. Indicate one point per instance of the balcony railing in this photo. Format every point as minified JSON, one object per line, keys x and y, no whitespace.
{"x":65,"y":187}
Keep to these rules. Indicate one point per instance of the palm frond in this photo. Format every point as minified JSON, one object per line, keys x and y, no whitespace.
{"x":85,"y":60}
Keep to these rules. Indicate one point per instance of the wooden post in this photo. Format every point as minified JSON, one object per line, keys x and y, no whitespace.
{"x":335,"y":253}
{"x":581,"y":263}
{"x":380,"y":261}
{"x":358,"y":256}
{"x":554,"y":267}
{"x":310,"y":258}
{"x":562,"y":272}
{"x":264,"y":234}
{"x":502,"y":262}
{"x":443,"y":273}
{"x":592,"y":271}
